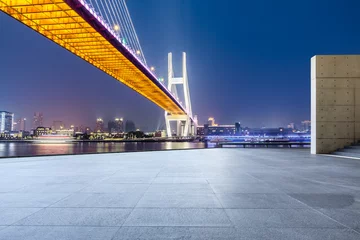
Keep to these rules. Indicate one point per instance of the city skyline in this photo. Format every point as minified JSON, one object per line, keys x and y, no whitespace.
{"x":258,"y":80}
{"x":60,"y":124}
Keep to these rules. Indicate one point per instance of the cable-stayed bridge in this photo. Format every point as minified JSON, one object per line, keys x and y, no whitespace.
{"x":102,"y":33}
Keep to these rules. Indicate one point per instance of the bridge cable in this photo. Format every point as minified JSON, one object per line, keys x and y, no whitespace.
{"x":123,"y":29}
{"x":128,"y":29}
{"x":134,"y":31}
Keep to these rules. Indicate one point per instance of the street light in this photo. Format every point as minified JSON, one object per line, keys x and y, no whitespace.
{"x":138,"y":52}
{"x":152,"y":69}
{"x":116,"y":27}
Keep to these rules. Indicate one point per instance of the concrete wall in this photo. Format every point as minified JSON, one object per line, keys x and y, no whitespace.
{"x":335,"y":102}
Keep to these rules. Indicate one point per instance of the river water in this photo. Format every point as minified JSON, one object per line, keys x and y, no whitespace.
{"x":12,"y":149}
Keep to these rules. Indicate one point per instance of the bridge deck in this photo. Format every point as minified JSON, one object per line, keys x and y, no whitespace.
{"x":74,"y":26}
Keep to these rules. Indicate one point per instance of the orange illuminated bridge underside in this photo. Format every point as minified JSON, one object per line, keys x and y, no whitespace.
{"x":72,"y":26}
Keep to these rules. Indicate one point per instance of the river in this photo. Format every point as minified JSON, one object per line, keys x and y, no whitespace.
{"x":13,"y":149}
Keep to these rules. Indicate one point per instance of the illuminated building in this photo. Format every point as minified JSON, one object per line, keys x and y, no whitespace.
{"x":291,"y":125}
{"x":58,"y":125}
{"x":217,"y":130}
{"x":211,"y":122}
{"x":306,"y":125}
{"x":6,"y":121}
{"x":226,"y":130}
{"x":99,"y":125}
{"x":40,"y":131}
{"x":38,"y":120}
{"x":65,"y":132}
{"x":130,"y":126}
{"x":116,"y":126}
{"x":21,"y":124}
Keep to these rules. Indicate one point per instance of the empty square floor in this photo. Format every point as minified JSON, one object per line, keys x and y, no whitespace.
{"x":190,"y":194}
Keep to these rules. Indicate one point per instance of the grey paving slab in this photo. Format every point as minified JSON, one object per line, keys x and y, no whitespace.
{"x":120,"y":200}
{"x":225,"y":233}
{"x":244,"y":188}
{"x":8,"y":186}
{"x":329,"y":200}
{"x":259,"y":200}
{"x":52,"y":188}
{"x":57,"y":233}
{"x":30,"y":199}
{"x":98,"y":217}
{"x":304,"y":186}
{"x":116,"y":188}
{"x":178,"y":217}
{"x":180,"y":180}
{"x":180,"y":188}
{"x":179,"y":200}
{"x":160,"y":233}
{"x":235,"y":180}
{"x":9,"y":216}
{"x":282,"y":218}
{"x":120,"y":179}
{"x":348,"y":217}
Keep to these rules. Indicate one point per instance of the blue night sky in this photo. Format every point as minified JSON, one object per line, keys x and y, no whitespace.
{"x":249,"y":61}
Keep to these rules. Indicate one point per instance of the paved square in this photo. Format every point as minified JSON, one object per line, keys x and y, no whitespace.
{"x":195,"y":194}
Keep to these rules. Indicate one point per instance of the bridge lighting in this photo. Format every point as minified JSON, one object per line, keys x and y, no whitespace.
{"x":152,"y":69}
{"x":116,"y":27}
{"x":138,"y":52}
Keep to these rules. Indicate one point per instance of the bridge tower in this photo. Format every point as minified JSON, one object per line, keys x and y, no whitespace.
{"x":185,"y":126}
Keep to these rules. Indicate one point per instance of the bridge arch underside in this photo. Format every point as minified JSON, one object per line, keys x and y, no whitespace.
{"x":72,"y":25}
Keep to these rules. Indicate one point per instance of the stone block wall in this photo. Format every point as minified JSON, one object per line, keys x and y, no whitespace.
{"x":335,"y":102}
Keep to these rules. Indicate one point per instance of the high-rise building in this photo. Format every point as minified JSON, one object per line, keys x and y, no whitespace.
{"x":38,"y":120}
{"x":58,"y":125}
{"x":6,"y":121}
{"x":291,"y":125}
{"x":116,"y":126}
{"x":130,"y":126}
{"x":20,"y":124}
{"x":237,"y":128}
{"x":211,"y":122}
{"x":99,"y":125}
{"x":306,"y":125}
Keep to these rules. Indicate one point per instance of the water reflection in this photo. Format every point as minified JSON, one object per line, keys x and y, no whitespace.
{"x":37,"y":149}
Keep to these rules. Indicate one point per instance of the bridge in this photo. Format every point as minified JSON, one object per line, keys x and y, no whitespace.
{"x":101,"y":32}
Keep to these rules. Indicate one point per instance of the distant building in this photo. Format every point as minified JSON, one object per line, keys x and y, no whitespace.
{"x":6,"y":121}
{"x":64,"y":132}
{"x":218,"y":130}
{"x":38,"y":120}
{"x":211,"y":122}
{"x":237,"y":128}
{"x":40,"y":131}
{"x":58,"y":125}
{"x":306,"y":126}
{"x":20,"y":124}
{"x":291,"y":125}
{"x":116,"y":126}
{"x":99,"y":125}
{"x":269,"y":132}
{"x":200,"y":131}
{"x":130,"y":126}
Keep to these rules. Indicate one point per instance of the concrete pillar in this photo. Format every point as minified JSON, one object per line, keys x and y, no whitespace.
{"x":335,"y":102}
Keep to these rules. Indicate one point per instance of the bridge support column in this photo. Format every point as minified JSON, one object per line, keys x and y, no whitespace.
{"x":184,"y":122}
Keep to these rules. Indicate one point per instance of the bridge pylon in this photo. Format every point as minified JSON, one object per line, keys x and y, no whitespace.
{"x":185,"y":125}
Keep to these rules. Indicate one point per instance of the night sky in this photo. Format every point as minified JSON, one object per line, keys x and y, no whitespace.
{"x":248,"y":61}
